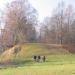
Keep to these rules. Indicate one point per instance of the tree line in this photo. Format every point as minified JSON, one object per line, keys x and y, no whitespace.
{"x":60,"y":27}
{"x":21,"y":21}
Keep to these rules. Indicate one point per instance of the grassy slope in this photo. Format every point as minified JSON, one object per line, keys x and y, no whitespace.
{"x":29,"y":50}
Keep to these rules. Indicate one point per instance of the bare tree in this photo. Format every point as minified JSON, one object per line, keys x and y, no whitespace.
{"x":18,"y":24}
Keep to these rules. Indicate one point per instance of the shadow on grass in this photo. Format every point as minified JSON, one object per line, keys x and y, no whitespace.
{"x":23,"y":63}
{"x":16,"y":63}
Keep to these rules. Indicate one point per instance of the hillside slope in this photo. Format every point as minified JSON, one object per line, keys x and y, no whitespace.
{"x":27,"y":51}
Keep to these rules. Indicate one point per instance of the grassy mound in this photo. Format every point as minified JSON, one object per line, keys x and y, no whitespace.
{"x":27,"y":51}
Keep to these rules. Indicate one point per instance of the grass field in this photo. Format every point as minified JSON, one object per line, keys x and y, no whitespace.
{"x":58,"y":61}
{"x":42,"y":70}
{"x":54,"y":65}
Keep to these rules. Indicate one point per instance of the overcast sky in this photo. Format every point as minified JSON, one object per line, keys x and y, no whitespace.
{"x":44,"y":7}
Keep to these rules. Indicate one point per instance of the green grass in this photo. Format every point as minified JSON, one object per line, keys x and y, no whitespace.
{"x":42,"y":70}
{"x":54,"y":65}
{"x":58,"y":61}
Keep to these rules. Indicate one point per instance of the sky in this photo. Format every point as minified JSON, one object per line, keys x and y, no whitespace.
{"x":44,"y":7}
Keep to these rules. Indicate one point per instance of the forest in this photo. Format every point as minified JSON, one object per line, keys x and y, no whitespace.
{"x":20,"y":24}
